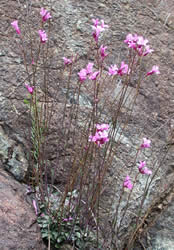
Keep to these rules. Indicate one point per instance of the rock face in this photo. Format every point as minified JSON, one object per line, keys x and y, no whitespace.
{"x":12,"y":156}
{"x":161,"y":234}
{"x":19,"y":230}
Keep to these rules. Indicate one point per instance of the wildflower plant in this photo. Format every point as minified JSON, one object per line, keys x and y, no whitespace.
{"x":92,"y":131}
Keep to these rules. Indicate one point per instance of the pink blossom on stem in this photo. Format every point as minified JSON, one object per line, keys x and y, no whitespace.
{"x":154,"y":70}
{"x":138,"y":43}
{"x":102,"y":51}
{"x":89,"y":68}
{"x":144,"y":170}
{"x":16,"y":27}
{"x":95,"y":22}
{"x":146,"y":143}
{"x":147,"y":50}
{"x":103,"y":25}
{"x":98,"y":28}
{"x":127,"y":182}
{"x":141,"y":41}
{"x":94,"y":75}
{"x":43,"y":36}
{"x":124,"y":69}
{"x":101,"y":135}
{"x":97,"y":31}
{"x":131,"y":40}
{"x":113,"y":70}
{"x":35,"y":207}
{"x":102,"y":127}
{"x":67,"y":61}
{"x":29,"y":88}
{"x":82,"y":75}
{"x":68,"y":219}
{"x":45,"y":14}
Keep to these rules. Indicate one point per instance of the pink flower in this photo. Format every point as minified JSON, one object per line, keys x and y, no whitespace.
{"x":95,"y":22}
{"x":45,"y":14}
{"x":142,"y":169}
{"x":89,"y":68}
{"x":29,"y":88}
{"x":98,"y":28}
{"x":147,"y":50}
{"x":67,"y":61}
{"x":82,"y":75}
{"x":35,"y":207}
{"x":113,"y":70}
{"x":101,"y":135}
{"x":102,"y":127}
{"x":94,"y":75}
{"x":43,"y":36}
{"x":155,"y":70}
{"x":123,"y":69}
{"x":102,"y":51}
{"x":146,"y":143}
{"x":16,"y":27}
{"x":141,"y":41}
{"x":97,"y":31}
{"x":127,"y":182}
{"x":131,"y":40}
{"x":68,"y":219}
{"x":103,"y":25}
{"x":138,"y":43}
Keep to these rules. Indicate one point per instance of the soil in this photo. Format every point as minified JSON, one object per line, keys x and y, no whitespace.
{"x":71,"y":34}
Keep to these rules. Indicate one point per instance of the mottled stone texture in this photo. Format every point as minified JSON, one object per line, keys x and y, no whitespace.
{"x":19,"y":230}
{"x":162,"y":233}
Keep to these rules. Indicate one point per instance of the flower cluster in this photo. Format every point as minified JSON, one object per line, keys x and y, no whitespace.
{"x":88,"y":72}
{"x":139,"y":44}
{"x":98,"y":28}
{"x":101,"y":134}
{"x":114,"y":70}
{"x":141,"y":167}
{"x":127,"y":182}
{"x":144,"y":170}
{"x":45,"y":16}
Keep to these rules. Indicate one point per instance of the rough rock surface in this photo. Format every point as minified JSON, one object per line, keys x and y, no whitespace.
{"x":12,"y":156}
{"x":19,"y":230}
{"x":161,"y":234}
{"x":71,"y":33}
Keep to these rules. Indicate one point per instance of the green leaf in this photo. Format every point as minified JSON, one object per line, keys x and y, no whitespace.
{"x":44,"y":235}
{"x":45,"y":225}
{"x":67,"y":235}
{"x":59,"y":240}
{"x":26,"y":101}
{"x":78,"y":235}
{"x":55,"y":234}
{"x":57,"y":245}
